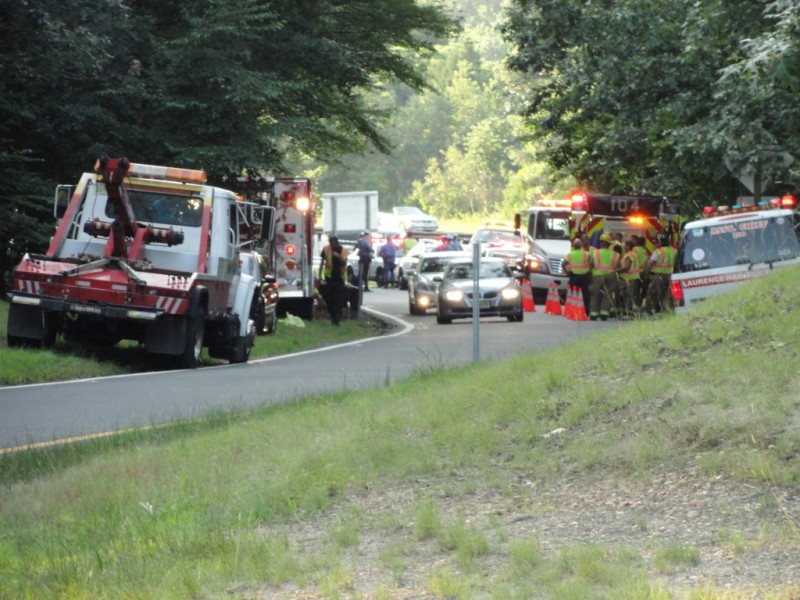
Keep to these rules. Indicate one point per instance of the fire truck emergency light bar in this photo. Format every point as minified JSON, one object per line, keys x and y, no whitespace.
{"x":165,"y":173}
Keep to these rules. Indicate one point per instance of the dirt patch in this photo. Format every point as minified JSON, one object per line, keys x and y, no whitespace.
{"x":745,"y":537}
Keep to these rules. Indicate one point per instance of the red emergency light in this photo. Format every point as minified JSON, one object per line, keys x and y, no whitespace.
{"x":788,"y":201}
{"x":579,"y":201}
{"x":676,"y":289}
{"x":290,"y":250}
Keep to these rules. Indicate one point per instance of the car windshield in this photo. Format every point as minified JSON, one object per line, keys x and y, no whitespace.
{"x":407,"y":210}
{"x":157,"y":207}
{"x":434,"y":264}
{"x":549,"y":225}
{"x":488,"y":270}
{"x":744,"y":242}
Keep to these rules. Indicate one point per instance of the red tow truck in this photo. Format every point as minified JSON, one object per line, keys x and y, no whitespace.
{"x":145,"y":253}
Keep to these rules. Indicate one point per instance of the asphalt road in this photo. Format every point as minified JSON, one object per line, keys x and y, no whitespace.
{"x":40,"y":414}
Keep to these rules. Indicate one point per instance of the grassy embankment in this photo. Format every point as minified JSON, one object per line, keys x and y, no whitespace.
{"x":211,"y":510}
{"x":68,"y":361}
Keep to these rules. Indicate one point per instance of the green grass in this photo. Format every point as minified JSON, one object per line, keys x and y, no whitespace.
{"x":245,"y":506}
{"x":69,"y":361}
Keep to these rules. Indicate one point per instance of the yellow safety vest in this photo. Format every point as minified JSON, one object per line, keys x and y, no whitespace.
{"x":605,"y":261}
{"x":665,"y":261}
{"x":636,"y":268}
{"x":578,"y":261}
{"x":327,"y":267}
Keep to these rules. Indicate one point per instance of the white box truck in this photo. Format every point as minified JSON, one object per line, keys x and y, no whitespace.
{"x":346,"y":214}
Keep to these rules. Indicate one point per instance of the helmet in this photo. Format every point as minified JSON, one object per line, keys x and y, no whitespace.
{"x":606,"y":237}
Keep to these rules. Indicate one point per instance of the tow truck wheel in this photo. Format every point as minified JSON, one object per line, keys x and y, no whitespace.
{"x":242,"y":345}
{"x":193,"y":348}
{"x":272,"y":323}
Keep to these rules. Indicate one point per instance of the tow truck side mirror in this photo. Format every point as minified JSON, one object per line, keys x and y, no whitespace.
{"x":517,"y":222}
{"x":61,"y":200}
{"x":268,"y":224}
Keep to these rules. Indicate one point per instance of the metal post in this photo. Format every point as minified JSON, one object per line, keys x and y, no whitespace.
{"x":476,"y":302}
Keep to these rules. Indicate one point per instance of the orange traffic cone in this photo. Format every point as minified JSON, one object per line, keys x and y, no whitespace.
{"x":553,"y":304}
{"x":580,"y":308}
{"x":527,"y":296}
{"x":569,"y":307}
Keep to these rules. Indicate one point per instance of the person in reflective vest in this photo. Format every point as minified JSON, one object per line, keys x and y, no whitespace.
{"x":640,"y":251}
{"x":660,"y":267}
{"x":629,"y":270}
{"x":579,"y":268}
{"x":332,"y":271}
{"x":604,"y":269}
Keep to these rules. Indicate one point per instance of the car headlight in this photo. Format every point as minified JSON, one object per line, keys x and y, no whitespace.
{"x":454,"y":295}
{"x":510,"y":293}
{"x":535,"y":263}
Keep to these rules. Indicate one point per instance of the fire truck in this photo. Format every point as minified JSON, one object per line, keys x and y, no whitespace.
{"x":145,"y":253}
{"x":551,"y":225}
{"x":731,"y":245}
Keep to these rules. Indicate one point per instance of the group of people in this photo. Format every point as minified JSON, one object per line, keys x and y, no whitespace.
{"x":333,"y":269}
{"x":620,"y":277}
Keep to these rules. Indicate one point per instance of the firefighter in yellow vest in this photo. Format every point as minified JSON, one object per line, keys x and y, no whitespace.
{"x":604,"y":272}
{"x":579,"y":268}
{"x":629,"y":270}
{"x":640,"y":251}
{"x":660,"y":267}
{"x":333,"y":272}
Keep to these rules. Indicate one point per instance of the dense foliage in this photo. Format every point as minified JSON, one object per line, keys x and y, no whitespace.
{"x":675,"y":97}
{"x":223,"y":85}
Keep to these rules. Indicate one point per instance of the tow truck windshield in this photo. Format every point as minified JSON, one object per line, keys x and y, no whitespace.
{"x":739,"y":243}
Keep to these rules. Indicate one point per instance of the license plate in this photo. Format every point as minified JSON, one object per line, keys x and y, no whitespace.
{"x":484,"y":304}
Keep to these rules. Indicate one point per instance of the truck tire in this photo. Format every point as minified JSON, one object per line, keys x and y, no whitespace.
{"x":193,"y":342}
{"x":240,"y":350}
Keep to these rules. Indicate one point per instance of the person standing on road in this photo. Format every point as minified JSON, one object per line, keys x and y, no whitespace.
{"x":660,"y":266}
{"x":579,"y":268}
{"x":604,"y":264}
{"x":332,"y":271}
{"x":388,"y":253}
{"x":409,"y":243}
{"x":629,"y":270}
{"x":365,"y":253}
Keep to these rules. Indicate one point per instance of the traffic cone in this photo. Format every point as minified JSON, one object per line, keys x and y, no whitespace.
{"x":553,"y":304}
{"x":569,"y":307}
{"x":580,"y":307}
{"x":527,"y":296}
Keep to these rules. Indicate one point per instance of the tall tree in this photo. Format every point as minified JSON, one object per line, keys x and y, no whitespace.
{"x":630,"y":98}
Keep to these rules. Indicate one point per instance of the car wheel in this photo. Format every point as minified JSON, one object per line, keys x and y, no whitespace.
{"x":441,"y":319}
{"x":516,"y":317}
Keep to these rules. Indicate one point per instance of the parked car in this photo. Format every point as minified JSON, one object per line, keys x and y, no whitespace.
{"x":408,"y":262}
{"x":422,"y":280}
{"x":411,"y":218}
{"x":265,"y":309}
{"x":499,"y":293}
{"x":503,"y":242}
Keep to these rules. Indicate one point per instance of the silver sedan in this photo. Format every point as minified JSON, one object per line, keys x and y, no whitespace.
{"x":499,"y":293}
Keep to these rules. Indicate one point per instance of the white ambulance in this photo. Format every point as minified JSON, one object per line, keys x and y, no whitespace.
{"x":734,"y":245}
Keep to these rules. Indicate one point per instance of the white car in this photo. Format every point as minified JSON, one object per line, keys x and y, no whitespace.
{"x":422,"y":281}
{"x":408,"y":262}
{"x":411,"y":218}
